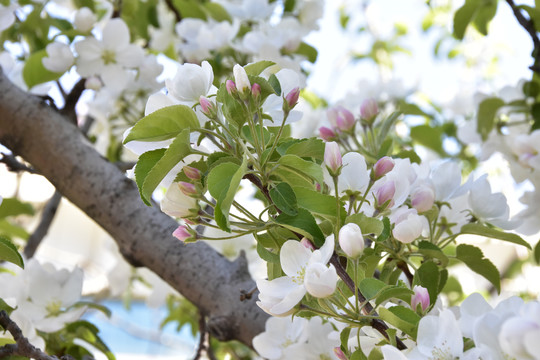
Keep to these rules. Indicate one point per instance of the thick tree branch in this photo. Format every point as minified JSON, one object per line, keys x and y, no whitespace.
{"x":59,"y":151}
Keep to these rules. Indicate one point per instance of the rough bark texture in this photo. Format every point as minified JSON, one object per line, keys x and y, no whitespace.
{"x":56,"y":149}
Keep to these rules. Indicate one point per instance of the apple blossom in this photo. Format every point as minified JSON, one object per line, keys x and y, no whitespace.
{"x":354,"y":175}
{"x":188,"y":188}
{"x":326,"y":134}
{"x":351,"y":240}
{"x":423,"y":198}
{"x":177,"y":204}
{"x":191,"y":82}
{"x":231,"y":87}
{"x":84,"y":19}
{"x":305,"y":271}
{"x":369,"y":109}
{"x":256,"y":90}
{"x":279,"y":334}
{"x":385,"y":194}
{"x":182,"y":233}
{"x":382,"y":167}
{"x":191,"y":172}
{"x":59,"y":57}
{"x":241,"y":79}
{"x":292,"y":98}
{"x":408,"y":224}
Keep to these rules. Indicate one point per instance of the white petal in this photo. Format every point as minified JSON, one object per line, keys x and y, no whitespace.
{"x":115,"y":34}
{"x":294,"y":257}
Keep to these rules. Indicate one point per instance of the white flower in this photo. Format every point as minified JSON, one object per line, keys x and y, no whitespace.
{"x":351,"y":240}
{"x":7,"y":16}
{"x":306,"y":271}
{"x":191,"y":82}
{"x":354,"y":174}
{"x":59,"y":57}
{"x":519,"y":335}
{"x":84,"y":19}
{"x":241,"y":78}
{"x":319,"y":344}
{"x":279,"y":334}
{"x":408,"y":224}
{"x":177,"y":204}
{"x":110,"y":56}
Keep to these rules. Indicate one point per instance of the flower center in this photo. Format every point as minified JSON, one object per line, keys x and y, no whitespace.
{"x":299,"y":278}
{"x":108,"y":57}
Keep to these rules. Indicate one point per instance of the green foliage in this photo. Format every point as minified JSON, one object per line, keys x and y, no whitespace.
{"x":478,"y":12}
{"x":34,"y":73}
{"x":8,"y":252}
{"x":303,"y":223}
{"x":163,"y":124}
{"x":284,"y":198}
{"x":486,"y":115}
{"x":401,"y":317}
{"x":474,"y":258}
{"x":14,"y":207}
{"x":536,"y":253}
{"x":482,"y":230}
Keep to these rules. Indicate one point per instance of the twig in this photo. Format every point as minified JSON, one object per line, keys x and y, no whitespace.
{"x":14,"y":165}
{"x":202,"y":336}
{"x":528,"y":25}
{"x":47,"y":216}
{"x":71,"y":100}
{"x":22,"y":346}
{"x":175,"y":11}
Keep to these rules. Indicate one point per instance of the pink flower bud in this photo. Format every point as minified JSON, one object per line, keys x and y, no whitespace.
{"x":192,"y":173}
{"x":383,"y":167}
{"x":292,"y":97}
{"x":422,"y":198}
{"x":231,"y":87}
{"x":187,"y":188}
{"x":241,"y":79}
{"x":307,"y":243}
{"x":318,"y":187}
{"x":351,"y":240}
{"x":386,"y":193}
{"x":326,"y":134}
{"x":344,"y":120}
{"x":369,"y":109}
{"x":256,"y":90}
{"x":421,"y":296}
{"x":340,"y":354}
{"x":332,"y":157}
{"x":189,"y":222}
{"x":182,"y":233}
{"x":208,"y":108}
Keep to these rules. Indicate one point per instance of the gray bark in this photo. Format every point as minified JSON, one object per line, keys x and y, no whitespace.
{"x":57,"y":149}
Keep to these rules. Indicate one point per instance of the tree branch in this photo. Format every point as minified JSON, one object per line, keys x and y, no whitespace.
{"x":59,"y":151}
{"x":22,"y":346}
{"x":528,"y":25}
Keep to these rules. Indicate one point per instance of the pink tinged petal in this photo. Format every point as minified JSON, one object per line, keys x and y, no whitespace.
{"x":305,"y":242}
{"x":423,"y":198}
{"x":230,"y":86}
{"x":326,"y":133}
{"x":421,"y":296}
{"x":320,"y":280}
{"x":386,"y":192}
{"x":181,"y":233}
{"x":292,"y":97}
{"x":115,"y":35}
{"x":187,"y":188}
{"x":294,"y":258}
{"x":369,"y":109}
{"x":340,"y":354}
{"x":332,"y":156}
{"x":255,"y":90}
{"x":383,"y":166}
{"x":192,"y":173}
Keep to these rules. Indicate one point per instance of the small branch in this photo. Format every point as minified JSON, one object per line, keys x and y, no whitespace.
{"x":47,"y":216}
{"x":378,"y":325}
{"x":71,"y":100}
{"x":175,"y":11}
{"x":202,"y":336}
{"x":402,"y":265}
{"x":528,"y":25}
{"x":257,"y":182}
{"x":22,"y":347}
{"x":14,"y":165}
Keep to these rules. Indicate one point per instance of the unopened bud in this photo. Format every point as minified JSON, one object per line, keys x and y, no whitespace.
{"x":340,"y":354}
{"x":326,"y":134}
{"x":182,"y":233}
{"x":292,"y":97}
{"x":231,"y":87}
{"x":256,"y":90}
{"x":421,"y":296}
{"x":369,"y":109}
{"x":423,"y":198}
{"x":84,"y":19}
{"x":192,"y":173}
{"x":187,"y":188}
{"x":351,"y":240}
{"x":383,"y":167}
{"x":93,"y":83}
{"x":385,"y":194}
{"x":307,"y":243}
{"x":208,"y":108}
{"x":344,"y":120}
{"x":332,"y":157}
{"x":241,"y":79}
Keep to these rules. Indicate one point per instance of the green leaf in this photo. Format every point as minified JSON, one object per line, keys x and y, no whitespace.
{"x":217,"y":12}
{"x":535,"y":112}
{"x":274,"y":83}
{"x":537,"y":253}
{"x":429,"y":137}
{"x":10,"y":230}
{"x":479,"y":229}
{"x":370,"y":287}
{"x":304,"y":167}
{"x":303,"y":223}
{"x":284,"y":198}
{"x":176,"y":152}
{"x":226,"y":190}
{"x":427,"y":276}
{"x":35,"y":73}
{"x":368,"y":225}
{"x":486,"y":12}
{"x":257,"y":68}
{"x":486,"y":115}
{"x":267,"y":255}
{"x":385,"y":234}
{"x":162,"y":124}
{"x":8,"y":252}
{"x":474,"y":258}
{"x":317,"y":203}
{"x":397,"y":292}
{"x":14,"y":207}
{"x":463,"y":17}
{"x":145,"y":163}
{"x":312,"y":148}
{"x":308,"y":51}
{"x":189,"y":9}
{"x":430,"y":251}
{"x":402,"y":318}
